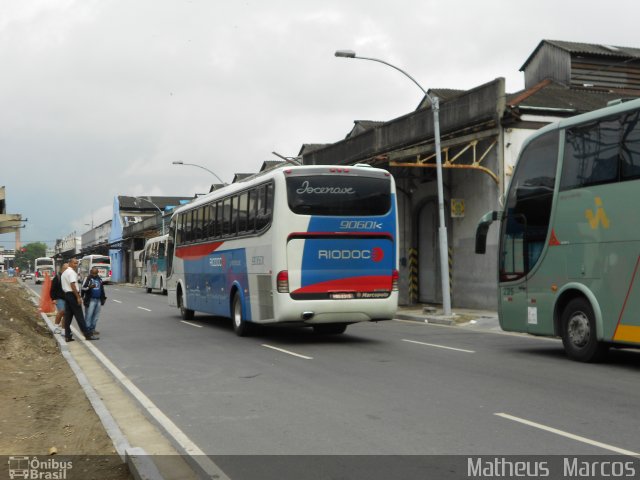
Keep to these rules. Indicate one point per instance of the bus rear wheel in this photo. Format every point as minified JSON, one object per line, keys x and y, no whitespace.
{"x":240,"y":325}
{"x":579,"y":332}
{"x":185,"y":313}
{"x":330,"y":328}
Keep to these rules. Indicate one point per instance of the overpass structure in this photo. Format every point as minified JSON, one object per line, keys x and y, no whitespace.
{"x":9,"y":222}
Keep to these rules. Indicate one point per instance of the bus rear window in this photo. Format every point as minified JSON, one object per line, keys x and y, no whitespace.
{"x":102,"y":260}
{"x":338,"y":195}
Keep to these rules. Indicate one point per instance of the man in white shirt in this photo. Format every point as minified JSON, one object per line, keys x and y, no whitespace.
{"x":73,"y":302}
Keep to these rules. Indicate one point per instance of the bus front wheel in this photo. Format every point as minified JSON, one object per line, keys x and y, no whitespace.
{"x":240,"y":326}
{"x":185,"y":313}
{"x":579,"y":332}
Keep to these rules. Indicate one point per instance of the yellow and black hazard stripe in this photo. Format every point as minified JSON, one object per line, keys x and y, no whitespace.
{"x":413,"y":275}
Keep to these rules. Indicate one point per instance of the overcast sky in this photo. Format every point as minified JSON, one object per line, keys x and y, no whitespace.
{"x":98,"y":97}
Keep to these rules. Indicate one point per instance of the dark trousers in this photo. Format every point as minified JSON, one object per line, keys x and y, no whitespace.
{"x":73,"y":309}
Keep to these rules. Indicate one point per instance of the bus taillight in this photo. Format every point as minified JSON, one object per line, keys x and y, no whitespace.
{"x":109,"y":273}
{"x":394,"y":280}
{"x":283,"y":281}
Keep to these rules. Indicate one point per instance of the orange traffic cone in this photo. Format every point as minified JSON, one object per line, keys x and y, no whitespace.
{"x":46,"y":304}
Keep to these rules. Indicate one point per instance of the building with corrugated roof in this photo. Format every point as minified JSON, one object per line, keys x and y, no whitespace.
{"x":482,"y":131}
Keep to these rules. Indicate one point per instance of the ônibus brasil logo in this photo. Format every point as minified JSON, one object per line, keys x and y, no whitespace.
{"x":376,"y":254}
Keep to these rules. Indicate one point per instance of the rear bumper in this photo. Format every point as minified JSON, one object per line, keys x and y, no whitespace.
{"x":312,"y":312}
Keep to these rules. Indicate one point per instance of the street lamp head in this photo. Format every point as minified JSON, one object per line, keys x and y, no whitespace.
{"x":178,"y":162}
{"x":345,"y":53}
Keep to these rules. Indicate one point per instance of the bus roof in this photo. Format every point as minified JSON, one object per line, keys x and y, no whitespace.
{"x":268,"y":174}
{"x":621,"y":107}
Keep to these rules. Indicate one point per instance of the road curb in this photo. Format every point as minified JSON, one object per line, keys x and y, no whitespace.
{"x":137,"y":460}
{"x":426,"y":319}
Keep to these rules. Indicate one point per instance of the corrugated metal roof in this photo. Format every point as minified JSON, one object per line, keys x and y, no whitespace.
{"x":360,"y":126}
{"x":554,"y":96}
{"x":138,"y":203}
{"x":593,"y":49}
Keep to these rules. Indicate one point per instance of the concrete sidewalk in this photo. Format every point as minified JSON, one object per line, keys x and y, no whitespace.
{"x":461,"y":317}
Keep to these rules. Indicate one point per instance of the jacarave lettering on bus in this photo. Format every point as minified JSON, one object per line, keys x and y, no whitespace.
{"x":307,"y":188}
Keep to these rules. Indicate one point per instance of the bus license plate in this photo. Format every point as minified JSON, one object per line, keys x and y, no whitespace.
{"x":342,"y":296}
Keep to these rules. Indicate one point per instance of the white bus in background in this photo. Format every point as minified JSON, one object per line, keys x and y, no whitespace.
{"x":154,"y":264}
{"x":311,"y":246}
{"x":101,"y":262}
{"x":43,"y":266}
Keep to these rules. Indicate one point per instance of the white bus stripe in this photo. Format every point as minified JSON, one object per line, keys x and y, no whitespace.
{"x":192,"y":324}
{"x":287,"y":352}
{"x":568,"y":435}
{"x":439,"y":346}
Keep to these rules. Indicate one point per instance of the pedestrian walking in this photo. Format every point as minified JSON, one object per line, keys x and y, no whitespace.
{"x":94,"y":298}
{"x":72,"y":302}
{"x":57,"y":295}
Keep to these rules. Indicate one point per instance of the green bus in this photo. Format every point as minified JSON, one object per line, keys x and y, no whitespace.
{"x":569,"y":240}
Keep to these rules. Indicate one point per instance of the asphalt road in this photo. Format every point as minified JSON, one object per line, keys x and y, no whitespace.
{"x":395,"y":387}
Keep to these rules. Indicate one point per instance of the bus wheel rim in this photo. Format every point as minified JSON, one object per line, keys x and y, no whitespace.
{"x":579,"y":329}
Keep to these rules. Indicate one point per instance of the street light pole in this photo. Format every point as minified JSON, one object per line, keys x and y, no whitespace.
{"x":442,"y":231}
{"x":199,"y":166}
{"x":157,"y":207}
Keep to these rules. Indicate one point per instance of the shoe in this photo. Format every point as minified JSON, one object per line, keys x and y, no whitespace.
{"x":57,"y":330}
{"x":92,"y":337}
{"x":69,"y":339}
{"x":96,"y":332}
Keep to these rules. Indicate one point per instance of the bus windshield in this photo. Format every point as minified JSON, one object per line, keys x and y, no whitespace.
{"x":338,"y":195}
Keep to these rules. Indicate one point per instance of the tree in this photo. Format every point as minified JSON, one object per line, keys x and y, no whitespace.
{"x":25,"y":257}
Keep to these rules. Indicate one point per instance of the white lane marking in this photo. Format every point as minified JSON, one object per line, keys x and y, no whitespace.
{"x":479,"y":330}
{"x":178,"y":435}
{"x":287,"y":352}
{"x":192,"y":324}
{"x":117,"y":301}
{"x":142,"y":308}
{"x":568,"y":435}
{"x":439,"y":346}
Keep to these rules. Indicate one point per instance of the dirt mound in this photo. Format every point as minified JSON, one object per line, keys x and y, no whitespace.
{"x":43,"y":405}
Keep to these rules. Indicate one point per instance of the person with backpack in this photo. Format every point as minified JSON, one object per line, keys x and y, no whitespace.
{"x":94,"y":298}
{"x":57,"y":295}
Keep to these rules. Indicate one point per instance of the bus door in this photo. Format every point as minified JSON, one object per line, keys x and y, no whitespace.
{"x":513,"y":278}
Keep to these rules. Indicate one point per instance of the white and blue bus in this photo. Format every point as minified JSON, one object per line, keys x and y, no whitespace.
{"x":154,"y":264}
{"x":43,"y":266}
{"x":297,"y":245}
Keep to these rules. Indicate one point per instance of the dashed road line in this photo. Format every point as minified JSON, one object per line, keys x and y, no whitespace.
{"x":142,"y":308}
{"x":192,"y":324}
{"x":562,"y":433}
{"x":287,"y":352}
{"x":439,"y":346}
{"x":117,"y":301}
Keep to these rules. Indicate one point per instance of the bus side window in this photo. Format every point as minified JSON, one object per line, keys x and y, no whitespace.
{"x":226,"y":216}
{"x":265,"y":198}
{"x":591,"y":154}
{"x":161,"y":247}
{"x":242,"y":212}
{"x":233,"y":229}
{"x":251,"y":214}
{"x":630,"y":149}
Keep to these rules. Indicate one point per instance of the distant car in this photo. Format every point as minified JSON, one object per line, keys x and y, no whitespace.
{"x":27,"y":276}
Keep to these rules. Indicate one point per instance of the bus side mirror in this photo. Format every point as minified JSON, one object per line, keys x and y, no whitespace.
{"x":483,"y":227}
